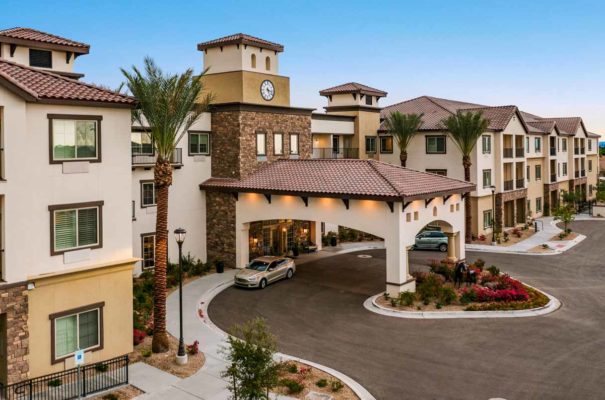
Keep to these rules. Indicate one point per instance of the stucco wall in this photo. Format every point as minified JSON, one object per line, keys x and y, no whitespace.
{"x":21,"y":56}
{"x":244,"y":86}
{"x":235,"y":58}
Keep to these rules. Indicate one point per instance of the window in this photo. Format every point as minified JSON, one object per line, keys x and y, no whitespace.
{"x":148,"y":250}
{"x":261,"y":144}
{"x":267,"y":63}
{"x":253,"y":60}
{"x":370,"y":144}
{"x":77,"y":329}
{"x":527,"y":144}
{"x":539,"y":204}
{"x":589,"y":165}
{"x":294,"y":143}
{"x":40,"y":58}
{"x":487,"y":178}
{"x":368,"y":100}
{"x":564,"y":169}
{"x":386,"y":144}
{"x":75,"y":226}
{"x":558,"y":169}
{"x":75,"y":138}
{"x":442,"y":172}
{"x":278,"y":144}
{"x":435,"y":145}
{"x":487,"y":219}
{"x":589,"y":144}
{"x":538,"y":145}
{"x":563,"y":144}
{"x":335,"y":144}
{"x":141,"y":143}
{"x":199,"y":143}
{"x":486,"y":142}
{"x":538,"y":172}
{"x":148,"y":194}
{"x":528,"y":207}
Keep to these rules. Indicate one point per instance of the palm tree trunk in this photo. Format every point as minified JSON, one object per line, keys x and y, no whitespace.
{"x":468,"y":234}
{"x":163,"y":179}
{"x":403,"y":157}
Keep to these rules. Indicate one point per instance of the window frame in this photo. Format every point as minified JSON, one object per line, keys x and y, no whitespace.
{"x":426,"y":144}
{"x":537,"y":145}
{"x":483,"y":178}
{"x":143,"y":236}
{"x":275,"y":153}
{"x":564,"y":145}
{"x":49,"y":52}
{"x":141,"y":153}
{"x":539,"y":203}
{"x":189,"y":134}
{"x":382,"y":151}
{"x":297,"y":144}
{"x":68,"y":313}
{"x":564,"y":169}
{"x":74,"y":117}
{"x":490,"y":224}
{"x":147,"y":182}
{"x":589,"y":165}
{"x":264,"y":134}
{"x":486,"y":139}
{"x":537,"y":168}
{"x":76,"y":206}
{"x":369,"y":100}
{"x":368,"y":139}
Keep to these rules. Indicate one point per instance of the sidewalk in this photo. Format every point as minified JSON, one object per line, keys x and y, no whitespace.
{"x":543,"y":236}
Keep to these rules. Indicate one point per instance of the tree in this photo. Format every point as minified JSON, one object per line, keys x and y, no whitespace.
{"x":168,"y":105}
{"x":566,"y":214}
{"x":465,"y":129}
{"x":600,"y":192}
{"x":252,"y":371}
{"x":403,"y":127}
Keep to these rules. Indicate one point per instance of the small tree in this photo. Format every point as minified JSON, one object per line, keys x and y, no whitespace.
{"x":565,"y":214}
{"x":252,"y":372}
{"x":600,"y":192}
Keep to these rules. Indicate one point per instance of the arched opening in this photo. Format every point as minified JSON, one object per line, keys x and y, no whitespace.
{"x":439,"y":235}
{"x":267,"y":63}
{"x":253,"y":60}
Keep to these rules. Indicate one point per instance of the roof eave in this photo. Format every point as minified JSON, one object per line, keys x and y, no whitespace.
{"x":44,"y":45}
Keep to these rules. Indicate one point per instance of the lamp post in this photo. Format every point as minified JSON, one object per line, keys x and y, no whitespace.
{"x":181,"y":357}
{"x":493,"y":188}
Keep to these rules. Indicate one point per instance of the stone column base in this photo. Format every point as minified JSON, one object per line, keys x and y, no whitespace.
{"x":393,"y":289}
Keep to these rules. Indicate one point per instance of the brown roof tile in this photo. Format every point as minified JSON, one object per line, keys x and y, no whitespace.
{"x":567,"y":125}
{"x":16,"y":35}
{"x":544,"y":127}
{"x":241,"y":38}
{"x":353,"y":87}
{"x":45,"y":87}
{"x":368,"y":179}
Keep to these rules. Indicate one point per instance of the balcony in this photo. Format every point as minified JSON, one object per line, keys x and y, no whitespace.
{"x":553,"y":151}
{"x":553,"y":178}
{"x":342,"y":153}
{"x":519,"y":152}
{"x":582,"y":150}
{"x":583,"y":173}
{"x":149,"y":159}
{"x":509,"y":185}
{"x":576,"y":150}
{"x":577,"y":174}
{"x":520,"y":184}
{"x":508,"y":153}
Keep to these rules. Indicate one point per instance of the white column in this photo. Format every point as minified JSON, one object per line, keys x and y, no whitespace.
{"x":398,"y":275}
{"x":242,"y":245}
{"x":317,"y":238}
{"x":451,"y":246}
{"x":459,"y":243}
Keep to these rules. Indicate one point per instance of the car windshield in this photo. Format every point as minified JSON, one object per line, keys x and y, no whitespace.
{"x":258,"y":265}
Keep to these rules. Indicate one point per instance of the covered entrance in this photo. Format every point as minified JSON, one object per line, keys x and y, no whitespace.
{"x":381,"y":199}
{"x":282,"y":237}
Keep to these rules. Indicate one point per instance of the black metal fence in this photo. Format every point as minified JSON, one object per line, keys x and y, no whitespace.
{"x":72,"y":383}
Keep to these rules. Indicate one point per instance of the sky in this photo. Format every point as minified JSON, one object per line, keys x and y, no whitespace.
{"x":546,"y":57}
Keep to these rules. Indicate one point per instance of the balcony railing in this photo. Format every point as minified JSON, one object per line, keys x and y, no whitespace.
{"x":576,"y":150}
{"x":582,"y":150}
{"x":519,"y":152}
{"x":577,"y":174}
{"x":583,"y":173}
{"x":508,"y":153}
{"x":328,"y":152}
{"x":520,"y":184}
{"x":508,"y":185}
{"x":553,"y":178}
{"x":553,"y":151}
{"x":149,"y":159}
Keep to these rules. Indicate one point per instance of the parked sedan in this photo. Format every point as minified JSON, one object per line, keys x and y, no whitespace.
{"x":264,"y":270}
{"x":434,"y":240}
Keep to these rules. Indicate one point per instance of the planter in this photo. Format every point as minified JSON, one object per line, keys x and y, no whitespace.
{"x":220,"y":267}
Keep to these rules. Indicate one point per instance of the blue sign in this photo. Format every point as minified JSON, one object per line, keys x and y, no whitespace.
{"x":79,"y":357}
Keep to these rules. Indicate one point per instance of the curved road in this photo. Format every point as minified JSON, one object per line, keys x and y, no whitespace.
{"x":319,"y":316}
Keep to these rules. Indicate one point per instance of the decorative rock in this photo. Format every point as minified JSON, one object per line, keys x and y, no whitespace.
{"x":318,"y":396}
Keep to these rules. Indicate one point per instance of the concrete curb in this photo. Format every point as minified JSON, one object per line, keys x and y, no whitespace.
{"x":554,"y":304}
{"x":208,"y":296}
{"x":553,"y":252}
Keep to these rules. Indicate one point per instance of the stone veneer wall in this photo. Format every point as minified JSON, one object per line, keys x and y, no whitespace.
{"x":14,"y":303}
{"x":234,"y":156}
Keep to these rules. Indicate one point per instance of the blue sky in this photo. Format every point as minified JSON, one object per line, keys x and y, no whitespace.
{"x":546,"y":57}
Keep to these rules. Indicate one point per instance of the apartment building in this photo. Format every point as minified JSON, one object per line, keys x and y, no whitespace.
{"x":65,"y":231}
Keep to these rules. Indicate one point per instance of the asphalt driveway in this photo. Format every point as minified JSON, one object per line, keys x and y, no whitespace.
{"x":319,"y":316}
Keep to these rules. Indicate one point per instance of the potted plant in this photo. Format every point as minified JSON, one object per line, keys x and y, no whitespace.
{"x":220,"y":265}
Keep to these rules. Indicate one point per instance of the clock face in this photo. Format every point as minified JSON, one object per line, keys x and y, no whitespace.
{"x":267,"y":90}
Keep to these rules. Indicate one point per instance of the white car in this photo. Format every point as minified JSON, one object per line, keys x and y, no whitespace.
{"x":265,"y":270}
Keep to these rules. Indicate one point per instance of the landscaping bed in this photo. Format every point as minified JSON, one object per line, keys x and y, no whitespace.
{"x":489,"y":290}
{"x":167,"y":361}
{"x":298,"y":380}
{"x":561,"y":237}
{"x":124,"y":393}
{"x":508,"y":237}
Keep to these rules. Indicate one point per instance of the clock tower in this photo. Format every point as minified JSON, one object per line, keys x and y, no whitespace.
{"x":244,"y":69}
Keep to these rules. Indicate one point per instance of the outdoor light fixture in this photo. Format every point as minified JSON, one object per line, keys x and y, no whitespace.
{"x":181,"y":356}
{"x":493,"y":188}
{"x":179,"y":235}
{"x":255,"y":240}
{"x":305,"y":230}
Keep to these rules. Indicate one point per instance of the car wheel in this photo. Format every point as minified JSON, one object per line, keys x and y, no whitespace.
{"x":262,"y":284}
{"x":289,"y":274}
{"x":443,"y":247}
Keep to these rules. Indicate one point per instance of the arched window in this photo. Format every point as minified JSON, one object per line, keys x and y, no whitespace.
{"x":267,"y":63}
{"x":253,"y":60}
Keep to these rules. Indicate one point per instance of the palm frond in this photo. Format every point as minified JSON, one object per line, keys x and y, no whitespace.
{"x":403,"y":127}
{"x":465,"y":129}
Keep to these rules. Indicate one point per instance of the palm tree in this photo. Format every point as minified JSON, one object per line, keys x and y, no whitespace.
{"x":169,"y":105}
{"x":465,"y":129}
{"x":403,"y":127}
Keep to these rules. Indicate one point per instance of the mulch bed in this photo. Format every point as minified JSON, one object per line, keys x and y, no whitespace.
{"x":309,"y":377}
{"x":124,"y":393}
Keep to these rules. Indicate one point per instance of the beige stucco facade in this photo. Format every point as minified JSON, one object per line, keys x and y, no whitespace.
{"x":244,"y":86}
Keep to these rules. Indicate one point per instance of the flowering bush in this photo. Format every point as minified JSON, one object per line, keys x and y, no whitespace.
{"x":482,"y":238}
{"x":138,"y":336}
{"x":193,"y":349}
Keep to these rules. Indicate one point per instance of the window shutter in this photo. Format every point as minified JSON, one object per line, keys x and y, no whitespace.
{"x":87,"y":226}
{"x":65,"y":229}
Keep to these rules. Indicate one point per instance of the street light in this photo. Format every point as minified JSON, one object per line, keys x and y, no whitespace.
{"x":493,"y":188}
{"x":181,"y":357}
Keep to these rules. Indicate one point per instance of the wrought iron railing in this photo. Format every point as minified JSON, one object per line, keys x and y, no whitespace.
{"x":553,"y":178}
{"x":520,"y":184}
{"x":553,"y":151}
{"x":520,"y":152}
{"x":583,"y":173}
{"x":72,"y":383}
{"x":329,"y":152}
{"x":507,"y":152}
{"x":508,"y":185}
{"x":149,"y":159}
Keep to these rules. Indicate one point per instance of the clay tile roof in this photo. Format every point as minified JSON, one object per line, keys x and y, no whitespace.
{"x":241,"y":38}
{"x":20,"y":35}
{"x":46,"y":87}
{"x":593,"y":135}
{"x":353,"y":87}
{"x":498,"y":117}
{"x":544,"y":126}
{"x":365,"y":179}
{"x":567,"y":125}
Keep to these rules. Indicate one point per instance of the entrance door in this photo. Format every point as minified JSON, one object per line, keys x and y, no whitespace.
{"x":3,"y":350}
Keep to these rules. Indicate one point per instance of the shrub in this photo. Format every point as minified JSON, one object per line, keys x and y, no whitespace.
{"x":138,"y":336}
{"x":482,"y":238}
{"x":468,"y":295}
{"x":336,"y":385}
{"x":430,"y":287}
{"x":146,"y":353}
{"x":447,"y":295}
{"x":438,"y":305}
{"x":394,"y":302}
{"x":479,"y":263}
{"x":333,"y":241}
{"x":495,"y":271}
{"x":322,"y":383}
{"x":193,"y":348}
{"x":55,"y":382}
{"x":407,"y":298}
{"x":101,"y":367}
{"x":292,"y":385}
{"x":386,"y":295}
{"x":545,"y":246}
{"x":291,"y":368}
{"x":442,"y":268}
